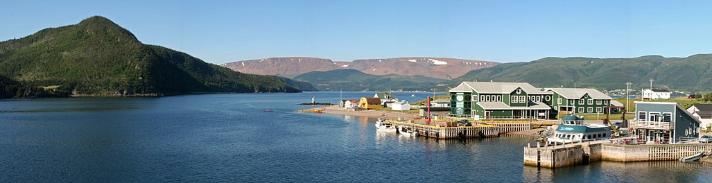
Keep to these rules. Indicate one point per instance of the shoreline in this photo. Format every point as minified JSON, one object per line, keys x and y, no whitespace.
{"x":398,"y":115}
{"x":335,"y":109}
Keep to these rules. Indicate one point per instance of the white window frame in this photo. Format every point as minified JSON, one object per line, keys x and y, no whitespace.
{"x":662,"y":117}
{"x":598,"y":102}
{"x":581,"y":101}
{"x":589,"y":110}
{"x":558,"y":101}
{"x":482,"y":98}
{"x":581,"y":110}
{"x":499,"y":98}
{"x":645,"y":118}
{"x":599,"y":109}
{"x":651,"y":114}
{"x":475,"y":98}
{"x":589,"y":101}
{"x":605,"y":102}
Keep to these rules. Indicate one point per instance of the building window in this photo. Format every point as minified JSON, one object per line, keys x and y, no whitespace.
{"x":654,"y":116}
{"x":474,"y":98}
{"x":642,"y":116}
{"x":598,"y":102}
{"x":581,"y":101}
{"x":667,"y":117}
{"x":605,"y":102}
{"x":499,"y":98}
{"x":580,"y":110}
{"x":523,"y":99}
{"x":547,"y":98}
{"x":589,"y":109}
{"x":590,"y":101}
{"x":487,"y":98}
{"x":598,"y":110}
{"x":538,"y":98}
{"x":558,"y":101}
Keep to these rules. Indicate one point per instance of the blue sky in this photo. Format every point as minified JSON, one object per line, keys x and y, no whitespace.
{"x":504,"y":31}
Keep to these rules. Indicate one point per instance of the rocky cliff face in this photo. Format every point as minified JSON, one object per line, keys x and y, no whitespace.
{"x":442,"y":68}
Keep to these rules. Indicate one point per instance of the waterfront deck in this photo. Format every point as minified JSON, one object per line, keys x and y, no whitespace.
{"x":477,"y":130}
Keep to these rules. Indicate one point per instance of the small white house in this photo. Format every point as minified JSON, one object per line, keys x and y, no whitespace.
{"x":400,"y":106}
{"x":656,"y":93}
{"x":703,"y":112}
{"x":349,"y":104}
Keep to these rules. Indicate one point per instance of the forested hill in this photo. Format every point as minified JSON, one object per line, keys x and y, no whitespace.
{"x":354,"y":80}
{"x":99,"y":58}
{"x":690,"y":73}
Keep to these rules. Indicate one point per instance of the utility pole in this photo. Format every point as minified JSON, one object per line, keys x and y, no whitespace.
{"x":627,"y":96}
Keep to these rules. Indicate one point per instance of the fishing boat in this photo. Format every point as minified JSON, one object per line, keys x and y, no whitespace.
{"x":694,"y":157}
{"x":571,"y":129}
{"x":384,"y":127}
{"x":406,"y":132}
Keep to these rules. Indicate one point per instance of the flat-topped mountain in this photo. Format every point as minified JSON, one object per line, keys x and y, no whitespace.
{"x":442,"y":68}
{"x":99,"y":58}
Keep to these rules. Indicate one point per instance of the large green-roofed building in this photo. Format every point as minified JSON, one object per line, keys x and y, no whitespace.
{"x":500,"y":100}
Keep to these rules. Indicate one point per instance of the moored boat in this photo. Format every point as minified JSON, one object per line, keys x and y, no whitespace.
{"x":406,"y":132}
{"x":385,"y":127}
{"x":694,"y":157}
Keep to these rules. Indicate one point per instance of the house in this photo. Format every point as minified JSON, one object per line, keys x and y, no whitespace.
{"x":579,"y":100}
{"x":349,"y":104}
{"x":656,"y":93}
{"x":386,"y":97}
{"x":499,"y":100}
{"x":400,"y":106}
{"x":702,"y":112}
{"x":664,"y":122}
{"x":616,"y":107}
{"x":370,"y":103}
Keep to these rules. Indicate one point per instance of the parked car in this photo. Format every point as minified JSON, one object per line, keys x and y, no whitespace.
{"x":705,"y":139}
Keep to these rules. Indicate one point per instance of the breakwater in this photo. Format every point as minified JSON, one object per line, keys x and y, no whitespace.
{"x":583,"y":153}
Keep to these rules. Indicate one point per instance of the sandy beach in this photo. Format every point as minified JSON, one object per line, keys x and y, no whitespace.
{"x":368,"y":113}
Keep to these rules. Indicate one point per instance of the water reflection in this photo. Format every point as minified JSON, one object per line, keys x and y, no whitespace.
{"x":658,"y":171}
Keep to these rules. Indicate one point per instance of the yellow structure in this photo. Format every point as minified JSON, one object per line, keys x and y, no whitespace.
{"x":370,"y":103}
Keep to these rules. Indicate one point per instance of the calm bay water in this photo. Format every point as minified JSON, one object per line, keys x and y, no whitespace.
{"x":229,"y":138}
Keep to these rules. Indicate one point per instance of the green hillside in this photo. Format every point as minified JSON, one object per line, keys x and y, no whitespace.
{"x":353,"y":80}
{"x":99,"y":58}
{"x":691,"y":73}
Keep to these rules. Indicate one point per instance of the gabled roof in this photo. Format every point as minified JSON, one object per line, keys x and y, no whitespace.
{"x":503,"y":106}
{"x":706,"y":108}
{"x":373,"y":101}
{"x":577,"y":93}
{"x":616,"y":103}
{"x":497,"y":87}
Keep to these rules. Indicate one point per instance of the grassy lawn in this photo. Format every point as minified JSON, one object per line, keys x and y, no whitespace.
{"x":682,"y":101}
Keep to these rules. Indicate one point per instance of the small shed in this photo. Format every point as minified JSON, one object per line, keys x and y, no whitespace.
{"x":370,"y":103}
{"x":400,"y":106}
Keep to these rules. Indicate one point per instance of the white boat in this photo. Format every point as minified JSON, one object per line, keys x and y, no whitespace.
{"x":694,"y":157}
{"x":381,"y":127}
{"x":406,"y":132}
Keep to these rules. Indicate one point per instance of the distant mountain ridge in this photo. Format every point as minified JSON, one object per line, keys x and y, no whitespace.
{"x":99,"y":58}
{"x":693,"y":73}
{"x":434,"y":67}
{"x":354,"y":80}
